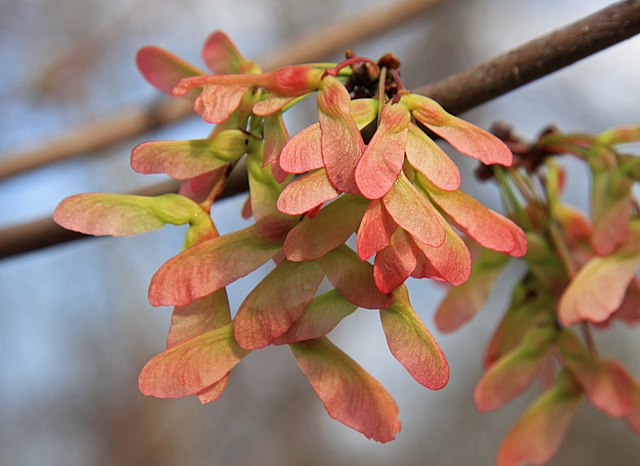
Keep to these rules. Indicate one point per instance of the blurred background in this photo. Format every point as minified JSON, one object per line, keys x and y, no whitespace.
{"x":75,"y":326}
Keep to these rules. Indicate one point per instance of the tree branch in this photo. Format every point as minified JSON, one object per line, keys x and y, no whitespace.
{"x":537,"y":58}
{"x":458,"y":93}
{"x":143,"y":118}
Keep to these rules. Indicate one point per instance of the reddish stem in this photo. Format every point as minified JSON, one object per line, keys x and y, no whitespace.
{"x":351,"y":61}
{"x":398,"y":80}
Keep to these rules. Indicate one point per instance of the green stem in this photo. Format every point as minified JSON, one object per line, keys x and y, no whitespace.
{"x":381,"y":86}
{"x":327,"y":66}
{"x":398,"y":80}
{"x":524,"y":185}
{"x":562,"y":249}
{"x":567,"y":259}
{"x":509,"y":198}
{"x":588,"y":337}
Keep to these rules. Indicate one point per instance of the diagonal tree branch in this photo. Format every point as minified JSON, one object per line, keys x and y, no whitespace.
{"x":537,"y":58}
{"x":138,"y":120}
{"x":458,"y":93}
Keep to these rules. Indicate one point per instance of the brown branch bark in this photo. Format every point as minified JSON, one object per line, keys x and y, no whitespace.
{"x":458,"y":93}
{"x":138,"y":120}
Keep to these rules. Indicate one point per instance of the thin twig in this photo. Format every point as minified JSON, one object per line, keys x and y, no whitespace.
{"x":533,"y":60}
{"x":572,"y":269}
{"x":140,"y":119}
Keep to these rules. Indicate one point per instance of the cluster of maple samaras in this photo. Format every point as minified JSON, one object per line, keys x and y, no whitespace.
{"x":578,"y":271}
{"x":399,"y":193}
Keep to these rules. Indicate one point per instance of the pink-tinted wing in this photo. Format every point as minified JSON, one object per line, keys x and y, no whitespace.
{"x":513,"y":374}
{"x":424,"y":269}
{"x":383,"y":158}
{"x":538,"y":434}
{"x":213,"y":392}
{"x":216,"y":103}
{"x":164,"y":70}
{"x":275,"y":138}
{"x":306,"y":193}
{"x":198,"y":188}
{"x":123,"y":214}
{"x":414,"y":213}
{"x":274,"y":228}
{"x":289,"y":81}
{"x":342,"y":144}
{"x":375,"y":230}
{"x":271,"y":104}
{"x":191,"y":366}
{"x":597,"y":290}
{"x":335,"y":223}
{"x":463,"y":302}
{"x":465,"y":137}
{"x":276,"y":302}
{"x":527,"y":310}
{"x":624,"y":387}
{"x":394,"y":264}
{"x":201,"y":316}
{"x":322,"y":315}
{"x":629,"y":310}
{"x":222,"y":57}
{"x":427,"y":157}
{"x":220,"y":95}
{"x":353,"y":278}
{"x":606,"y":383}
{"x":228,"y":80}
{"x":302,"y":153}
{"x":633,"y":418}
{"x":611,"y":206}
{"x":488,"y":228}
{"x":364,"y":111}
{"x":188,"y":159}
{"x":209,"y":266}
{"x":412,"y":344}
{"x":600,"y":286}
{"x":348,"y":392}
{"x":611,"y":227}
{"x":452,"y":260}
{"x":574,"y":223}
